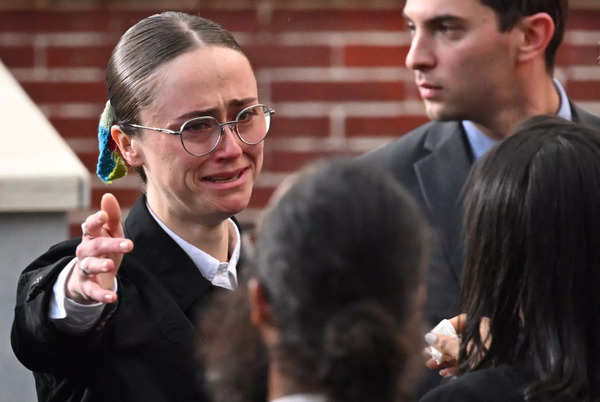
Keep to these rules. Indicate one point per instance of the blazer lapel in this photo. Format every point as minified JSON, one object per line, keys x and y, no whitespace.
{"x":161,"y":256}
{"x":585,"y":118}
{"x":441,"y":176}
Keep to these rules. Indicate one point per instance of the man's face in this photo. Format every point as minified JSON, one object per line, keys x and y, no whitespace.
{"x":464,"y":66}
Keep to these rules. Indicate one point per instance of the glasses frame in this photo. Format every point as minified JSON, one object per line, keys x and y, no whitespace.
{"x":233,"y":123}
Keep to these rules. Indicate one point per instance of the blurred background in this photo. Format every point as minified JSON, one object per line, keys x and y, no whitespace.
{"x":333,"y":70}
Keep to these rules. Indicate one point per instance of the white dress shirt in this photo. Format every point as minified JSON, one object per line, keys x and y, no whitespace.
{"x":301,"y":398}
{"x":222,"y":274}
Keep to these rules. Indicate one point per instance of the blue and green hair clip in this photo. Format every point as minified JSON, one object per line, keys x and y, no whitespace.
{"x":111,"y":164}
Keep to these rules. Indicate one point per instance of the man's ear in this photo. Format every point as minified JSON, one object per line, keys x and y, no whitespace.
{"x":260,"y":312}
{"x":128,"y":146}
{"x":536,"y":32}
{"x":259,"y":307}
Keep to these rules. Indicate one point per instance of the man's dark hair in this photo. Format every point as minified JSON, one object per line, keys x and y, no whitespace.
{"x":510,"y":12}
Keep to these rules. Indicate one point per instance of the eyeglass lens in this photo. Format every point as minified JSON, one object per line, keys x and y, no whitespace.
{"x":201,"y":135}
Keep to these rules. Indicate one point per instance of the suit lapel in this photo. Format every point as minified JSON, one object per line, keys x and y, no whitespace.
{"x":585,"y":118}
{"x":441,"y":175}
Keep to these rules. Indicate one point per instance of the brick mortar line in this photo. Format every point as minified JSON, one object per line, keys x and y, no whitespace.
{"x":333,"y":39}
{"x":237,"y":5}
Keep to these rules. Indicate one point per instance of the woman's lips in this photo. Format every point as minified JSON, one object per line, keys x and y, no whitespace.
{"x":223,"y":178}
{"x":227,"y":179}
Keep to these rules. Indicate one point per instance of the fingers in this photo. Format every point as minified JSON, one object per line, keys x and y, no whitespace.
{"x":449,"y":371}
{"x":449,"y":346}
{"x":459,"y":322}
{"x":101,"y":246}
{"x":93,"y":265}
{"x":85,"y":283}
{"x":444,"y":355}
{"x":445,"y":358}
{"x":443,"y":349}
{"x":94,"y":292}
{"x":111,"y":208}
{"x":92,"y":226}
{"x":105,"y":222}
{"x":432,"y":364}
{"x":99,"y":254}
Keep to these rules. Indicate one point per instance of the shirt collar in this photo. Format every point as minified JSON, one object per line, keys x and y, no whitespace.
{"x":564,"y":110}
{"x":301,"y":398}
{"x":210,"y":268}
{"x":481,"y":143}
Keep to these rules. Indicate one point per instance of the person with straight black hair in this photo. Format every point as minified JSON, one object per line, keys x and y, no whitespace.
{"x":111,"y":316}
{"x":532,"y":274}
{"x":332,"y":307}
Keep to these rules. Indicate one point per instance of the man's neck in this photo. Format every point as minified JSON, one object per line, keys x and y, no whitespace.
{"x":280,"y":385}
{"x":541,"y":98}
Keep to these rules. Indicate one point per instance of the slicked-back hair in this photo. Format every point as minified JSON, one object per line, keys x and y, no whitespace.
{"x":532,"y":222}
{"x":145,"y":47}
{"x":510,"y":12}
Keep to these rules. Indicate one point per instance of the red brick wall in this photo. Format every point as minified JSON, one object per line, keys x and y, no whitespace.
{"x":333,"y":70}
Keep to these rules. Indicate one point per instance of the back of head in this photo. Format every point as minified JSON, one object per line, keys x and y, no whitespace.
{"x":532,"y":258}
{"x":510,"y":13}
{"x":340,"y":257}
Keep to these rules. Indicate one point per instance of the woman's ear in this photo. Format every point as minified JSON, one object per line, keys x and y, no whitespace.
{"x":537,"y":31}
{"x":128,"y":146}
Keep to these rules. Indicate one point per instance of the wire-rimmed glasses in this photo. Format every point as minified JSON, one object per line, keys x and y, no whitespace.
{"x":201,"y":135}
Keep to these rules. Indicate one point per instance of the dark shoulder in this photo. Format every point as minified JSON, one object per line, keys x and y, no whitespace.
{"x":586,"y":118}
{"x":410,"y":147}
{"x":498,"y":384}
{"x":405,"y":145}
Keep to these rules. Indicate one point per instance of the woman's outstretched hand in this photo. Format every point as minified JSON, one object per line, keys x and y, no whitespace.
{"x":99,"y":255}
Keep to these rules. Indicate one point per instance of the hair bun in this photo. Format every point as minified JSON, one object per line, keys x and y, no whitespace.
{"x":362,"y":354}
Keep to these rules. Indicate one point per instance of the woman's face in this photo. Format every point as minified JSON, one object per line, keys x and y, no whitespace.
{"x":207,"y":81}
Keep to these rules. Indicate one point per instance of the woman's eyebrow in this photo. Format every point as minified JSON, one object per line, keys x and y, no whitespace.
{"x":214,"y":111}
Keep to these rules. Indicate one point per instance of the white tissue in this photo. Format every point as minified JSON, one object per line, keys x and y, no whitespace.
{"x":444,"y":327}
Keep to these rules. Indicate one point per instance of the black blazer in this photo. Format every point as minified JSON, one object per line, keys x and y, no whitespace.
{"x":142,"y":349}
{"x":499,"y":384}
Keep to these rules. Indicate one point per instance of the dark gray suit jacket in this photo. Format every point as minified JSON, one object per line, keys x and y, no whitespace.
{"x":433,"y":162}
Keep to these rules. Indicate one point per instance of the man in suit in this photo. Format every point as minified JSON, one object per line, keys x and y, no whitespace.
{"x":481,"y":67}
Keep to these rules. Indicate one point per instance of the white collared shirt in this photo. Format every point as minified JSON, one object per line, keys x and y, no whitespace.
{"x":222,"y":274}
{"x":301,"y":398}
